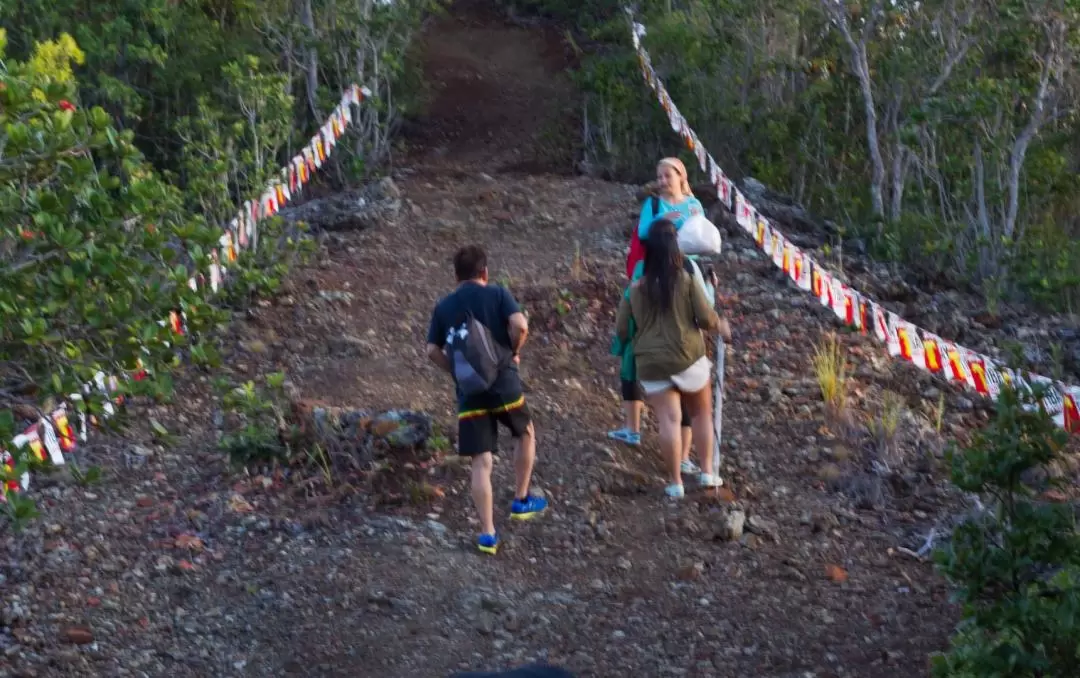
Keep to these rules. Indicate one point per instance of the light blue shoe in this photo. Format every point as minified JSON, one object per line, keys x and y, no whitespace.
{"x":688,"y":467}
{"x":625,"y":435}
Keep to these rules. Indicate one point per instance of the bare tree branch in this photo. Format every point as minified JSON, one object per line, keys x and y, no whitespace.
{"x":1051,"y":65}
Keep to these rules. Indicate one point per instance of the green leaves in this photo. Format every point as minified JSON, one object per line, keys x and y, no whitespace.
{"x":96,"y":246}
{"x":1017,"y":568}
{"x":82,"y":288}
{"x":256,"y":429}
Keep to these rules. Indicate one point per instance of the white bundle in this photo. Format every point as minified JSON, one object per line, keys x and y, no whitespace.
{"x":698,"y":236}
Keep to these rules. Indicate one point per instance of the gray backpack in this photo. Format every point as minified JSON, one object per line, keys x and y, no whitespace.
{"x":476,"y":359}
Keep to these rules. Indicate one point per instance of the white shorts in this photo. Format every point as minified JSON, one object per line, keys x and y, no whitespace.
{"x":690,"y":380}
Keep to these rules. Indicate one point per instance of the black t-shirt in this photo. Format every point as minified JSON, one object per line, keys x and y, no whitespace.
{"x":492,"y":305}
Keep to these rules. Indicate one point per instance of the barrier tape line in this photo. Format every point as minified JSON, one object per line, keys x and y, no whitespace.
{"x":902,"y":339}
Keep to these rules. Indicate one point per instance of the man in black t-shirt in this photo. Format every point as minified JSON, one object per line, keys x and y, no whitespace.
{"x":479,"y":415}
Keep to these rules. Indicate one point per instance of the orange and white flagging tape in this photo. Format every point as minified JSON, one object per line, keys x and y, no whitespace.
{"x":903,"y":340}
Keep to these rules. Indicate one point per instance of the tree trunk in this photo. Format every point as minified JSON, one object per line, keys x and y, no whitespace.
{"x":877,"y":164}
{"x":860,"y":66}
{"x":307,"y":17}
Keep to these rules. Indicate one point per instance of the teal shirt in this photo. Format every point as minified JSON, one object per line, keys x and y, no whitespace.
{"x":685,"y":209}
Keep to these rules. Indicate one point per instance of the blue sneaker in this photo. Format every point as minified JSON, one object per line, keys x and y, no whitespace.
{"x":488,"y":543}
{"x":625,"y":435}
{"x":527,"y":508}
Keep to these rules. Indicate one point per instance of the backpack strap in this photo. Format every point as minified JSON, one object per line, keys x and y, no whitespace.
{"x":655,"y":206}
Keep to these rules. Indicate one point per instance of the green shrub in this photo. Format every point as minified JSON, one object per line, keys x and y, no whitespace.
{"x":1016,"y":569}
{"x":256,"y":430}
{"x":96,"y":250}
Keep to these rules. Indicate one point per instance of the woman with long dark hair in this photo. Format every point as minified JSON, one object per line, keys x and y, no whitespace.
{"x":673,"y":200}
{"x":670,"y":311}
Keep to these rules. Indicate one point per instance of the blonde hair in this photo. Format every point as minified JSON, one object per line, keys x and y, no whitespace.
{"x":680,"y":169}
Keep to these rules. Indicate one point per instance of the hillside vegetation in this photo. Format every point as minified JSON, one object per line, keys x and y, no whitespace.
{"x":940,"y":134}
{"x":130,"y":132}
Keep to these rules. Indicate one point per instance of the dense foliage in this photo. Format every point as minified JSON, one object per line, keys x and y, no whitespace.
{"x":1016,"y":567}
{"x":130,"y":132}
{"x":943,"y":133}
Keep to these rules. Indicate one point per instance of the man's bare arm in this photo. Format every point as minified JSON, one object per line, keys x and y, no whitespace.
{"x":518,"y":328}
{"x":438,"y":357}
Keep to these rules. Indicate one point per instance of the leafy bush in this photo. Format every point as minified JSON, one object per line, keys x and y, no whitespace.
{"x":96,"y":248}
{"x":98,"y":240}
{"x":256,"y":431}
{"x":1017,"y":568}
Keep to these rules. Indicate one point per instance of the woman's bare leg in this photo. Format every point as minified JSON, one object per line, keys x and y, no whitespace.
{"x":668,"y":413}
{"x":633,"y":410}
{"x":701,"y":422}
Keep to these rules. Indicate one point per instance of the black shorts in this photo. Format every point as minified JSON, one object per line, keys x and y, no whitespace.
{"x":478,"y":429}
{"x":632,"y":392}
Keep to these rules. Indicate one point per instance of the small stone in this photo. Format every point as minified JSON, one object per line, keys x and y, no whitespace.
{"x":836,"y":573}
{"x":402,"y":429}
{"x":763,"y":527}
{"x":485,"y":623}
{"x":623,"y":563}
{"x":731,"y":529}
{"x":254,"y":346}
{"x":830,"y":473}
{"x":492,"y":604}
{"x":349,"y":345}
{"x":388,"y":189}
{"x":77,"y":635}
{"x":512,"y":622}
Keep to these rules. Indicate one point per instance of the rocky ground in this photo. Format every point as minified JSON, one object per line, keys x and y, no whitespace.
{"x":174,"y":565}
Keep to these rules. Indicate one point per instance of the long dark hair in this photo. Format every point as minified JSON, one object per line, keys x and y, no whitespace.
{"x":663,"y":262}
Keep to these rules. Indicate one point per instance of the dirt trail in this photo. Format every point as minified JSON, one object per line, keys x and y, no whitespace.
{"x":615,"y":581}
{"x":501,"y":99}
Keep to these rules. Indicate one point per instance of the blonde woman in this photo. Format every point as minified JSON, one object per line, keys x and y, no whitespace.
{"x":675,"y":203}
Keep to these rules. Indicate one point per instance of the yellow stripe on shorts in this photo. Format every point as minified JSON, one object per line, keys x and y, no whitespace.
{"x":509,"y":407}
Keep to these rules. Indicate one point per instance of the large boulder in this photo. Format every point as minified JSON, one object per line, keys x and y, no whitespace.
{"x":373,"y":205}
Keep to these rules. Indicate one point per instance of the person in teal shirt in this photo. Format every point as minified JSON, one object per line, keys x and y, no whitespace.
{"x":676,"y":203}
